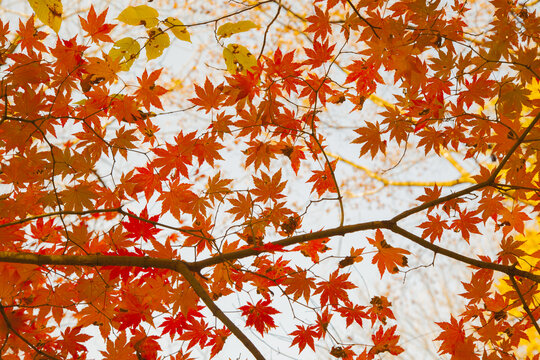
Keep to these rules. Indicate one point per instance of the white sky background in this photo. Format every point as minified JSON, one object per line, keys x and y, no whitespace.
{"x":419,"y":299}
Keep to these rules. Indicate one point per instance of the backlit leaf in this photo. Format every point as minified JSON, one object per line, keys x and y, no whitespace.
{"x":49,"y":12}
{"x":230,"y":28}
{"x":178,"y":29}
{"x":139,"y":15}
{"x":238,"y":58}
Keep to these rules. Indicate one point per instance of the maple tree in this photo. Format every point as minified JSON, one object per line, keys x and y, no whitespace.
{"x":116,"y":231}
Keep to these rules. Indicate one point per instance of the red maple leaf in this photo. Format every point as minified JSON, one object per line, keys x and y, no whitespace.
{"x":140,"y":229}
{"x":454,"y":340}
{"x":386,"y":341}
{"x":259,"y":315}
{"x":323,"y":180}
{"x":304,"y":336}
{"x":95,"y":26}
{"x":72,"y":339}
{"x":320,"y":23}
{"x":334,"y":291}
{"x":148,"y":92}
{"x":209,"y":97}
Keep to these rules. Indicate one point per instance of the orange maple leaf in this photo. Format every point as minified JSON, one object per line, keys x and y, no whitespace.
{"x":387,"y":258}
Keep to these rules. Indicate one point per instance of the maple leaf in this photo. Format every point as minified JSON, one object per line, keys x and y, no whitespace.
{"x":241,"y":207}
{"x":434,"y":227}
{"x":478,"y":288}
{"x":176,"y":157}
{"x":284,"y":68}
{"x":173,"y":325}
{"x":454,"y":341}
{"x":352,"y":313}
{"x":323,"y":180}
{"x":321,"y":53}
{"x":196,"y":332}
{"x":299,"y":284}
{"x":513,"y":219}
{"x":431,"y":194}
{"x":209,"y":97}
{"x":140,"y":229}
{"x":386,"y":341}
{"x":323,"y":321}
{"x":478,"y":89}
{"x":30,"y":37}
{"x":387,"y":258}
{"x":365,"y":75}
{"x":178,"y":199}
{"x":466,"y":224}
{"x":131,"y":312}
{"x":334,"y":290}
{"x":79,"y":196}
{"x":259,"y":153}
{"x":490,"y":205}
{"x":295,"y":154}
{"x":95,"y":26}
{"x":217,"y":340}
{"x":304,"y":336}
{"x":72,"y":339}
{"x":313,"y":248}
{"x":216,"y":188}
{"x":267,"y":188}
{"x":148,"y":92}
{"x":146,"y":347}
{"x":119,"y":349}
{"x":380,"y":309}
{"x":370,"y":136}
{"x":510,"y":250}
{"x":316,"y":87}
{"x":259,"y":315}
{"x":320,"y":23}
{"x":146,"y":180}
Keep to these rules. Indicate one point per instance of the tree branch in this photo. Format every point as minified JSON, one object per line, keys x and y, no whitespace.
{"x":525,"y":306}
{"x":179,"y":266}
{"x":216,"y":311}
{"x":16,"y":333}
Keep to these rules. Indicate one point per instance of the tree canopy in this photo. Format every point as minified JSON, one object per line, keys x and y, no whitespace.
{"x":197,"y":180}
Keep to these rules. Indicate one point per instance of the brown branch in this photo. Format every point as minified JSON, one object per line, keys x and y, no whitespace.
{"x":509,"y":270}
{"x":292,"y":240}
{"x":16,"y":333}
{"x":525,"y":306}
{"x":59,"y":213}
{"x":179,"y":266}
{"x":489,"y":182}
{"x":216,"y":311}
{"x":363,"y":19}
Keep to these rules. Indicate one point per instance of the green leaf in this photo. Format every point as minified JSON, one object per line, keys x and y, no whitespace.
{"x":139,"y":15}
{"x":127,"y":50}
{"x":238,"y":58}
{"x":178,"y":29}
{"x":157,"y":43}
{"x":228,"y":29}
{"x":49,"y":12}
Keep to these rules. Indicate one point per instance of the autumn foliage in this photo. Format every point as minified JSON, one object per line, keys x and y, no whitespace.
{"x":122,"y":233}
